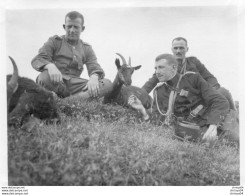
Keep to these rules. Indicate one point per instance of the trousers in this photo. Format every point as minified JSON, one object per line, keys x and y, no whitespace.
{"x":71,"y":86}
{"x":228,"y":96}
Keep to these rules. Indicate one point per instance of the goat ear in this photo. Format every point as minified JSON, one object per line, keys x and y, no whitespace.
{"x":137,"y":67}
{"x":117,"y":62}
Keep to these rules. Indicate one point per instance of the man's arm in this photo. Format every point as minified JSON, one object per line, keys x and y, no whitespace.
{"x":45,"y":54}
{"x":151,"y":83}
{"x":95,"y":71}
{"x":210,"y":78}
{"x":92,"y":65}
{"x":135,"y":103}
{"x":218,"y":104}
{"x":44,"y":59}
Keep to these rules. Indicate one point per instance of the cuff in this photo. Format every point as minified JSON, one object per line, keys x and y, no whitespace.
{"x":100,"y":74}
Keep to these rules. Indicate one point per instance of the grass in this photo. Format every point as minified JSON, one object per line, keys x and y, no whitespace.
{"x":97,"y":144}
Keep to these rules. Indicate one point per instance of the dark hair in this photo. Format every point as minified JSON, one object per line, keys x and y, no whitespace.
{"x":169,"y":57}
{"x":73,"y":15}
{"x":180,"y":38}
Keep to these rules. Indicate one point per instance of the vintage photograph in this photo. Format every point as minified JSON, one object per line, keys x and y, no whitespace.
{"x":123,"y":96}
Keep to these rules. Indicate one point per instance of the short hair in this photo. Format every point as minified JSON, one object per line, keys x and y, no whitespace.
{"x":73,"y":15}
{"x":169,"y":57}
{"x":179,"y":39}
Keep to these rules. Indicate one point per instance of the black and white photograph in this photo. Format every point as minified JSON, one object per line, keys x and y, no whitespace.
{"x":127,"y":93}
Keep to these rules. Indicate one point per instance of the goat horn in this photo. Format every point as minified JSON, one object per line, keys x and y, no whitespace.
{"x":13,"y":82}
{"x":123,"y":59}
{"x":129,"y":61}
{"x":14,"y":79}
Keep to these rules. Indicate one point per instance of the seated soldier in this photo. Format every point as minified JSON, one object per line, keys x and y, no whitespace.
{"x":61,"y":61}
{"x":178,"y":95}
{"x":179,"y":49}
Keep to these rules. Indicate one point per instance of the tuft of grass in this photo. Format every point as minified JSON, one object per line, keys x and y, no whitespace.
{"x":98,"y":144}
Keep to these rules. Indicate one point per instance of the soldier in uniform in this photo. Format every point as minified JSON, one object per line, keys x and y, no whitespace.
{"x":178,"y":95}
{"x":61,"y":61}
{"x":179,"y":49}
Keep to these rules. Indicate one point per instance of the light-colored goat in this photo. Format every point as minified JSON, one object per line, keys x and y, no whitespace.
{"x":122,"y":87}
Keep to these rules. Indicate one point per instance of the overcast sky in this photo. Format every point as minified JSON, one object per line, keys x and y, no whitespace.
{"x":141,"y":29}
{"x":142,"y":33}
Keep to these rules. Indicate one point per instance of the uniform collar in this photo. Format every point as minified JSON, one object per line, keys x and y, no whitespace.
{"x":173,"y":82}
{"x":80,"y":42}
{"x":183,"y":62}
{"x":182,"y":66}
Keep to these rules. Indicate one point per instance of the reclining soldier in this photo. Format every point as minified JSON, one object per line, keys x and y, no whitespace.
{"x":179,"y":50}
{"x":184,"y":97}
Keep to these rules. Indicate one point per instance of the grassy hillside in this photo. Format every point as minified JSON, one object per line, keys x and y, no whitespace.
{"x":96,"y":144}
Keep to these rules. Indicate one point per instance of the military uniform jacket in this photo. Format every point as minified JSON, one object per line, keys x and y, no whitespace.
{"x":192,"y":64}
{"x":193,"y":91}
{"x":68,"y":59}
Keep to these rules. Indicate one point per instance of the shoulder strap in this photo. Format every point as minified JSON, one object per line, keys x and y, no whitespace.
{"x":59,"y":43}
{"x":171,"y":100}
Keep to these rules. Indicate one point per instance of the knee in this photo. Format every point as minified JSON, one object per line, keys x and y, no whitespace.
{"x":105,"y":83}
{"x":60,"y":89}
{"x":228,"y":96}
{"x":105,"y":87}
{"x":223,"y":91}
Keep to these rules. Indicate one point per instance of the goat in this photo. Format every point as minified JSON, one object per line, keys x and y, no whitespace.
{"x":122,"y":87}
{"x":26,"y":98}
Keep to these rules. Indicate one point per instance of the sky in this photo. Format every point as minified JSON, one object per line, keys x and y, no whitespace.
{"x":140,"y":30}
{"x":142,"y":33}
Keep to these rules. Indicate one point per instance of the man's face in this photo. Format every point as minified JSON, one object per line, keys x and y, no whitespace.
{"x":179,"y":49}
{"x":73,"y":28}
{"x":164,"y":71}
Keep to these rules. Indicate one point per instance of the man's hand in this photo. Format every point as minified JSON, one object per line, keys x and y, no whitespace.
{"x":211,"y":133}
{"x":93,"y":85}
{"x":54,"y":73}
{"x":135,"y":103}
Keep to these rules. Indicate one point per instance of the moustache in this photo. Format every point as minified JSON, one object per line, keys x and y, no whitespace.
{"x":160,"y":75}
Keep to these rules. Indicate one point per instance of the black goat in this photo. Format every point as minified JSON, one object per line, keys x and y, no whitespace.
{"x":26,"y":98}
{"x":122,"y":87}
